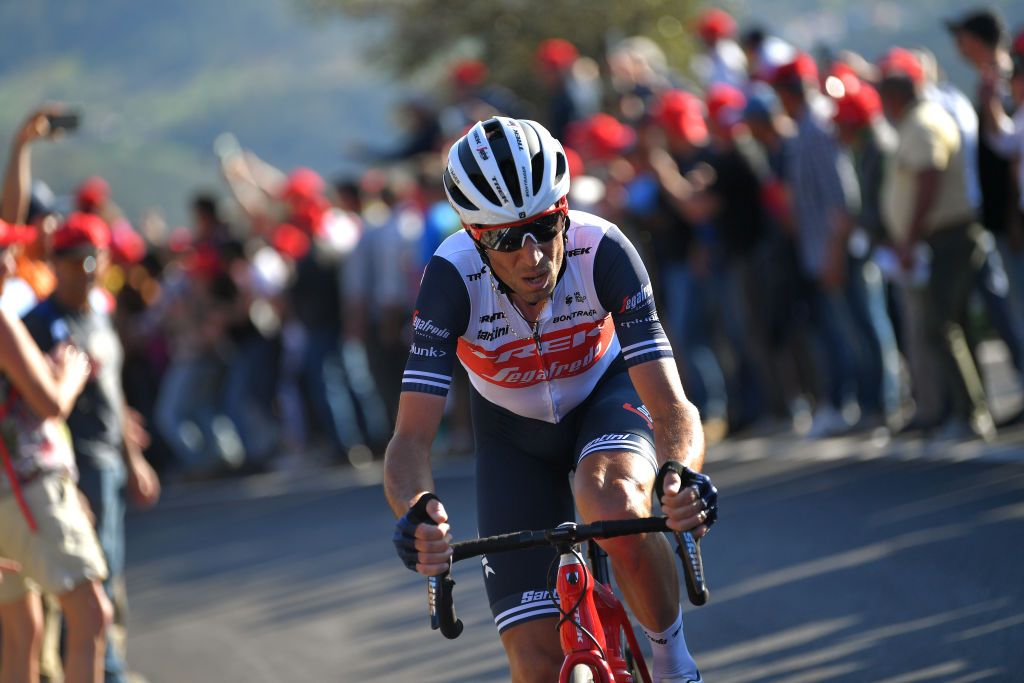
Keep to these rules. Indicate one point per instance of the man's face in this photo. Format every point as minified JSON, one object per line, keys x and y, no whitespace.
{"x":972,"y":49}
{"x":532,"y":270}
{"x":76,"y":273}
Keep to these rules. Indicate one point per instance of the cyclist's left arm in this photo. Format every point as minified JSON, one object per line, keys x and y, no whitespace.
{"x":625,"y":290}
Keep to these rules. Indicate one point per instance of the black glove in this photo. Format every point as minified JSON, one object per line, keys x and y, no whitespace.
{"x":404,"y":537}
{"x":705,"y":489}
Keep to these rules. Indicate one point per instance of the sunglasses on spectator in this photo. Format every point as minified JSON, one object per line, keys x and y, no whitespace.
{"x":543,"y":227}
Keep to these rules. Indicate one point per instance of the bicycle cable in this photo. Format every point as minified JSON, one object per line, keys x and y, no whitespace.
{"x":567,"y":616}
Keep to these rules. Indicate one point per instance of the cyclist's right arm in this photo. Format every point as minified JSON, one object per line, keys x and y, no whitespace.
{"x":407,"y":476}
{"x":441,"y":317}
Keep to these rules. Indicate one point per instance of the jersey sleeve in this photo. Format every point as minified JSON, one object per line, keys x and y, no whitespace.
{"x":624,"y":289}
{"x":441,"y":317}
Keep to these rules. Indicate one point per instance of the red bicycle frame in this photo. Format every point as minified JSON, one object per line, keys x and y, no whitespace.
{"x":592,"y":628}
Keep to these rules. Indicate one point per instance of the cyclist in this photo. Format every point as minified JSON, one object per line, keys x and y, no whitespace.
{"x":551,"y":313}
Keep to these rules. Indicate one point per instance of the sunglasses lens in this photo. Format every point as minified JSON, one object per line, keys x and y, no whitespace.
{"x":544,"y":229}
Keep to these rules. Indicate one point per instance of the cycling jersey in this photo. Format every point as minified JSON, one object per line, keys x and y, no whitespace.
{"x":601,"y":308}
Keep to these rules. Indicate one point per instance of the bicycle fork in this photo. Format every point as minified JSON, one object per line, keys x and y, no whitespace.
{"x":580,"y":630}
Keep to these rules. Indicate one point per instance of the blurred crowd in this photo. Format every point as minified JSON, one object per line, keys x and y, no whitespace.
{"x":831,"y":238}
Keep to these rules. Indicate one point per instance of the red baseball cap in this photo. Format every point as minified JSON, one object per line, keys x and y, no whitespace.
{"x":15,"y":234}
{"x":859,"y":104}
{"x":715,"y":24}
{"x":556,"y":54}
{"x":302,"y":183}
{"x":469,"y":72}
{"x":204,"y":262}
{"x":802,"y":69}
{"x":603,"y":136}
{"x":81,"y":233}
{"x":725,"y":104}
{"x":126,"y":245}
{"x":682,"y":114}
{"x":290,"y":241}
{"x":899,"y":62}
{"x":92,"y":193}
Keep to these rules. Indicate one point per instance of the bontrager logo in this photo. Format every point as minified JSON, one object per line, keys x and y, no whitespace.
{"x":482,"y":151}
{"x":573,"y":315}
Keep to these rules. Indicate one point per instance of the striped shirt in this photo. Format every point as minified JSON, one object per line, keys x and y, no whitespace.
{"x":602,"y":308}
{"x":823,"y":183}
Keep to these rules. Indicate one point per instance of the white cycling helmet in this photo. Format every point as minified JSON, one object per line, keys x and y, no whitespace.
{"x":504,"y":170}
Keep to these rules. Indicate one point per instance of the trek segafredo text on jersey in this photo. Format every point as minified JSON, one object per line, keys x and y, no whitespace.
{"x":602,"y":307}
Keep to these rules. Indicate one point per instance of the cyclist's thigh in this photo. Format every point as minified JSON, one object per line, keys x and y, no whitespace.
{"x":614,"y":420}
{"x":522,"y":483}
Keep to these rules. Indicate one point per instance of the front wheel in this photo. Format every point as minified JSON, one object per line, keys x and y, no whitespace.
{"x":581,"y":673}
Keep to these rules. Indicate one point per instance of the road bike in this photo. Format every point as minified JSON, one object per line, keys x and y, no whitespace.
{"x":596,"y":635}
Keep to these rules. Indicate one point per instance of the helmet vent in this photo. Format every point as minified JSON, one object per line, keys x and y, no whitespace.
{"x":560,"y":167}
{"x":474,"y":173}
{"x":497,"y":136}
{"x":456,"y":194}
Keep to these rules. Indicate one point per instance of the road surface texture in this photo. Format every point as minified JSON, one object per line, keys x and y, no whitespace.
{"x":849,"y":559}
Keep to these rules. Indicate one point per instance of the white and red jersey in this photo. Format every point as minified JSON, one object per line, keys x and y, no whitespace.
{"x":602,"y":309}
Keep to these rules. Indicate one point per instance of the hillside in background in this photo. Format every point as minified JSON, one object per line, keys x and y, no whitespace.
{"x":157,"y":81}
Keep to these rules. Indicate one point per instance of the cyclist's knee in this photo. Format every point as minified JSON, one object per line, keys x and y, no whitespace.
{"x":533,"y":651}
{"x":604,"y":492}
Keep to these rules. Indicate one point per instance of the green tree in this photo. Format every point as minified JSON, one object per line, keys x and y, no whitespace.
{"x":424,"y":34}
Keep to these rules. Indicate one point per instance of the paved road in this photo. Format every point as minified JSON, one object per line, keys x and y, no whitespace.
{"x":844,"y":560}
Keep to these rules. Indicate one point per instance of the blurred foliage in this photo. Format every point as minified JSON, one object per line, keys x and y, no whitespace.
{"x":504,"y":34}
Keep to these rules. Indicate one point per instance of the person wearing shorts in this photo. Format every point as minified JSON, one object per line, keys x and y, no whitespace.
{"x":44,"y":526}
{"x":551,"y":313}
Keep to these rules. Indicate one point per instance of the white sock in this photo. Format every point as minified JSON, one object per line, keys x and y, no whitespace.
{"x":671,"y":657}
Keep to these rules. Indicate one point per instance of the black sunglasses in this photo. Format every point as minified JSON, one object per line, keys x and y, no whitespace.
{"x":543,"y":229}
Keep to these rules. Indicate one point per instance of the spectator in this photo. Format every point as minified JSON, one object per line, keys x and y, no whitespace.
{"x":106,"y":435}
{"x":472,"y":97}
{"x":195,"y":311}
{"x":824,"y":192}
{"x":639,"y":75}
{"x":785,"y":293}
{"x":571,"y":83}
{"x":996,"y":288}
{"x":866,"y":138}
{"x":765,"y":53}
{"x":740,"y":229}
{"x":981,"y":39}
{"x":925,"y":201}
{"x":1005,"y":136}
{"x":722,"y":59}
{"x":32,"y":278}
{"x":43,"y":524}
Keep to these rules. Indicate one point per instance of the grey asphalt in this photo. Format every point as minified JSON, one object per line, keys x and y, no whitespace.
{"x":842,"y":560}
